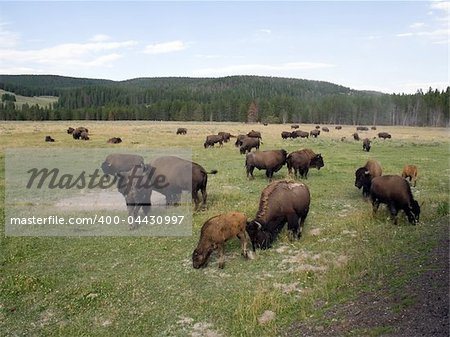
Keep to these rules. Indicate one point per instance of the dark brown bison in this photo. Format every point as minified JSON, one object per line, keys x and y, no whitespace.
{"x":181,"y":175}
{"x":49,"y":139}
{"x":317,"y":127}
{"x":213,"y":139}
{"x":356,"y":136}
{"x":338,"y":127}
{"x":70,"y":130}
{"x":384,"y":135}
{"x":410,"y":171}
{"x":239,"y":139}
{"x":248,"y":144}
{"x":215,"y":232}
{"x":80,"y":133}
{"x":295,"y":126}
{"x":395,"y":192}
{"x":314,"y":133}
{"x":226,"y":136}
{"x":301,"y":134}
{"x":365,"y":174}
{"x":325,"y":129}
{"x":302,"y":160}
{"x":84,"y":135}
{"x":285,"y":134}
{"x":181,"y":131}
{"x":280,"y":202}
{"x":271,"y":161}
{"x":254,"y":134}
{"x":366,"y":144}
{"x":115,"y":140}
{"x":121,"y":162}
{"x":373,"y":127}
{"x":362,"y":128}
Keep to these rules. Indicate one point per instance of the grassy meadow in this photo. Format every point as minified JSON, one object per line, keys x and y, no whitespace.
{"x":146,"y":286}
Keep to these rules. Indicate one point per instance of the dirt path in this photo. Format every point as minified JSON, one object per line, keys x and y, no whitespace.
{"x":421,"y":308}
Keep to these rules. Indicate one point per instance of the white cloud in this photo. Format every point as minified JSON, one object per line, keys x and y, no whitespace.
{"x":100,"y":38}
{"x":260,"y":69}
{"x":417,"y":25}
{"x":165,"y":47}
{"x":8,"y":39}
{"x":266,"y":31}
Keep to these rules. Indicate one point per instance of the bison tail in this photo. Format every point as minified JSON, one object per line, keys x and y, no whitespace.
{"x":212,"y":172}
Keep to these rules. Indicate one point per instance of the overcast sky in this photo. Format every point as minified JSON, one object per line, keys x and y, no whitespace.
{"x":384,"y":46}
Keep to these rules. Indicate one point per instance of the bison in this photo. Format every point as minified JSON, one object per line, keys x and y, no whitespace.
{"x":280,"y":202}
{"x":212,"y":139}
{"x":121,"y":162}
{"x":325,"y":129}
{"x":302,"y":160}
{"x":248,"y":144}
{"x":254,"y":134}
{"x":114,"y":140}
{"x":285,"y":134}
{"x":295,"y":126}
{"x":365,"y":174}
{"x":84,"y":135}
{"x":366,"y":144}
{"x":80,"y":133}
{"x":395,"y":192}
{"x":181,"y":131}
{"x":215,"y":232}
{"x":70,"y":130}
{"x":373,"y":127}
{"x":338,"y":127}
{"x":49,"y":139}
{"x":410,"y":171}
{"x":362,"y":128}
{"x":225,"y":136}
{"x":384,"y":135}
{"x":299,"y":133}
{"x":317,"y":127}
{"x":239,"y":139}
{"x":314,"y":133}
{"x":271,"y":161}
{"x":355,"y":136}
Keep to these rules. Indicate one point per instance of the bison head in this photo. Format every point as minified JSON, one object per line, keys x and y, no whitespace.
{"x":413,"y":216}
{"x":317,"y":161}
{"x":200,"y":258}
{"x":362,"y":177}
{"x":260,"y":238}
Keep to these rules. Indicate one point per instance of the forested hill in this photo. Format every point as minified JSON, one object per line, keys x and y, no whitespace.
{"x":234,"y":98}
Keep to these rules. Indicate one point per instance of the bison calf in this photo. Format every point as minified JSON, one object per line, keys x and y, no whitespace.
{"x":395,"y":192}
{"x":215,"y":232}
{"x":365,"y":174}
{"x":410,"y":171}
{"x":366,"y":144}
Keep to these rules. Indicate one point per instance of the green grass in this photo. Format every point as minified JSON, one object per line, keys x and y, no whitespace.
{"x":42,"y":101}
{"x":107,"y":286}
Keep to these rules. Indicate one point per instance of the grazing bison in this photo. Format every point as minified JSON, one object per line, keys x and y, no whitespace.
{"x":175,"y":170}
{"x":317,"y":127}
{"x":355,"y":136}
{"x":215,"y":232}
{"x":181,"y":131}
{"x":299,"y":133}
{"x":225,"y":136}
{"x":121,"y":162}
{"x":115,"y":140}
{"x":410,"y":171}
{"x":248,"y":143}
{"x":366,"y":144}
{"x":70,"y":130}
{"x":302,"y":160}
{"x":254,"y":134}
{"x":280,"y":202}
{"x":239,"y":139}
{"x":295,"y":126}
{"x":49,"y":139}
{"x":212,"y":139}
{"x":325,"y":129}
{"x":338,"y":127}
{"x":271,"y":161}
{"x":384,"y":135}
{"x":80,"y":133}
{"x":395,"y":192}
{"x":362,"y":128}
{"x":373,"y":127}
{"x":285,"y":134}
{"x":314,"y":133}
{"x":365,"y":174}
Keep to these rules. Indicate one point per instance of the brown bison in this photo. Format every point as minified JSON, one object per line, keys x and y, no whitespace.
{"x":49,"y":139}
{"x":384,"y":135}
{"x":362,"y":128}
{"x":299,"y":133}
{"x":121,"y":162}
{"x":365,"y":174}
{"x":254,"y":134}
{"x":115,"y":140}
{"x":302,"y":160}
{"x":325,"y":129}
{"x":314,"y":133}
{"x":285,"y":134}
{"x":356,"y":136}
{"x":295,"y":126}
{"x":410,"y":171}
{"x":84,"y":135}
{"x":366,"y":144}
{"x":373,"y":127}
{"x":70,"y":130}
{"x":280,"y":202}
{"x":226,"y":136}
{"x":181,"y":131}
{"x":181,"y":175}
{"x":338,"y":127}
{"x":248,"y":144}
{"x":395,"y":192}
{"x":213,"y":139}
{"x":317,"y":127}
{"x":215,"y":232}
{"x":271,"y":161}
{"x":80,"y":133}
{"x":239,"y":139}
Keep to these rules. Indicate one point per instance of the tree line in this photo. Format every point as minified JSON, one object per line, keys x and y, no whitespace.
{"x":235,"y":98}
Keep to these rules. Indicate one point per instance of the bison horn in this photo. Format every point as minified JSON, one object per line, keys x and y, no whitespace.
{"x":259,"y":224}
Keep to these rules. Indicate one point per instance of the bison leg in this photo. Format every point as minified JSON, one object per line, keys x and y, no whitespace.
{"x":393,"y":212}
{"x":221,"y":256}
{"x":242,"y":236}
{"x":250,"y":171}
{"x":293,"y":226}
{"x":375,"y":205}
